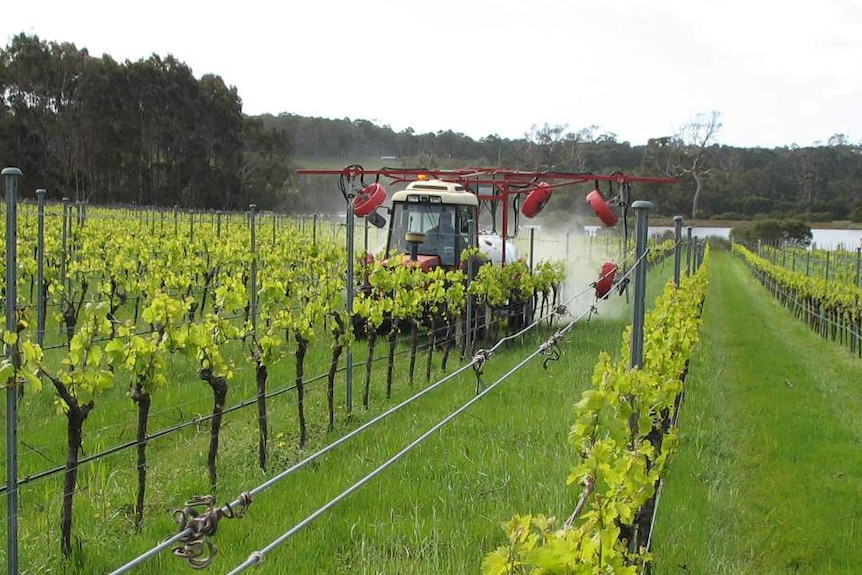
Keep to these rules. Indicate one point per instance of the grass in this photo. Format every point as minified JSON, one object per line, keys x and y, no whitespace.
{"x":440,"y":506}
{"x":768,"y":474}
{"x":436,"y":510}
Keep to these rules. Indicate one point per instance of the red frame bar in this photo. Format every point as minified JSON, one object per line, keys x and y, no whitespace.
{"x":501,"y":179}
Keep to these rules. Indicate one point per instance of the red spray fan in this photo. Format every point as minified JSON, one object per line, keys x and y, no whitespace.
{"x":601,"y":208}
{"x":536,"y":200}
{"x":605,"y":283}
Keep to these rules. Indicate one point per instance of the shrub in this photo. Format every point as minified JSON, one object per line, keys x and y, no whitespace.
{"x":792,"y":231}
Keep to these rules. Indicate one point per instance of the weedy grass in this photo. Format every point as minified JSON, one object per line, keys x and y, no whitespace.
{"x":768,"y":475}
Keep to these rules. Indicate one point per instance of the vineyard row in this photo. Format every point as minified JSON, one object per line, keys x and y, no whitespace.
{"x":624,"y":434}
{"x":832,"y":309}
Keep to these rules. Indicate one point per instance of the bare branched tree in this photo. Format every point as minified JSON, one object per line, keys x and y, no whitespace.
{"x":688,"y":151}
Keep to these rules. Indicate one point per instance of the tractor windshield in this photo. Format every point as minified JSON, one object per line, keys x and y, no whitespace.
{"x":443,"y":229}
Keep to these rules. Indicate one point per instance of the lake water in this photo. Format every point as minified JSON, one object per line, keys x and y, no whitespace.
{"x":826,"y":239}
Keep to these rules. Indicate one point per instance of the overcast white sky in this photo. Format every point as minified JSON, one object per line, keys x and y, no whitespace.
{"x":779,"y":72}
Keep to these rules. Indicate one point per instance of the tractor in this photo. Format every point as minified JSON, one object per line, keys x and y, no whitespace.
{"x":432,"y":223}
{"x":435,"y":216}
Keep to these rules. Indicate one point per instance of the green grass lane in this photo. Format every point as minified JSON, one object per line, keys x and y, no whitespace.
{"x":768,"y":476}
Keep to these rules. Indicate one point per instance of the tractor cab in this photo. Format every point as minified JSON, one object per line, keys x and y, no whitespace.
{"x":432,"y":222}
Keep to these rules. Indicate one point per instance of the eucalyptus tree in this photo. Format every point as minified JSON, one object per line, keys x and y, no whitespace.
{"x":690,"y":152}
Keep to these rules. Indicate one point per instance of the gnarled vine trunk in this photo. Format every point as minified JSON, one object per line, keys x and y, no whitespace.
{"x":261,"y":375}
{"x":301,"y":349}
{"x":366,"y":392}
{"x":142,"y":399}
{"x":218,"y":384}
{"x":76,"y":414}
{"x":337,"y":348}
{"x":390,"y":368}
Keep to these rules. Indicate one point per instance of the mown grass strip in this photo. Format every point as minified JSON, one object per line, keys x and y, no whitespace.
{"x":768,"y":475}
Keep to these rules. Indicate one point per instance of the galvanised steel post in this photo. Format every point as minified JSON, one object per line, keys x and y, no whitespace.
{"x":252,"y":210}
{"x":191,"y":226}
{"x":468,"y":335}
{"x":40,"y":268}
{"x":532,"y":245}
{"x":66,"y":231}
{"x":218,"y":224}
{"x":11,"y":176}
{"x":348,"y":357}
{"x":641,"y":209}
{"x":689,"y":260}
{"x":565,"y":286}
{"x":532,"y":302}
{"x":858,"y":265}
{"x":677,"y":249}
{"x":365,"y":245}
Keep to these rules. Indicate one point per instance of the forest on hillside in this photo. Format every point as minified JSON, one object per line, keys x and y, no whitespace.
{"x":151,"y":133}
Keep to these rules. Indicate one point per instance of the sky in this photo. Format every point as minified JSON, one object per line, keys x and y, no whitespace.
{"x":779,"y":72}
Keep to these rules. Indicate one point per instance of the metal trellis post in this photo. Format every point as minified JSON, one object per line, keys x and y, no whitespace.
{"x":40,"y":269}
{"x":677,"y":249}
{"x":253,"y":299}
{"x":468,"y":334}
{"x":11,"y":176}
{"x":858,"y":265}
{"x":66,"y":230}
{"x":688,"y":253}
{"x":641,"y":209}
{"x":348,"y":356}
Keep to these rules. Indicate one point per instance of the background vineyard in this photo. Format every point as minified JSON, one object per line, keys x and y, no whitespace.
{"x":821,"y":288}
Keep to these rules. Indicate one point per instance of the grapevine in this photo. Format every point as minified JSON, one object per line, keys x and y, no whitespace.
{"x":623,"y":437}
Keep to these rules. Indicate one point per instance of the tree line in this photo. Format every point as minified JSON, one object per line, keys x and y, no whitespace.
{"x":147,"y":132}
{"x":151,"y":133}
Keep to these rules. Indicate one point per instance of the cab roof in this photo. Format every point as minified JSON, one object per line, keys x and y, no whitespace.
{"x":448,"y":192}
